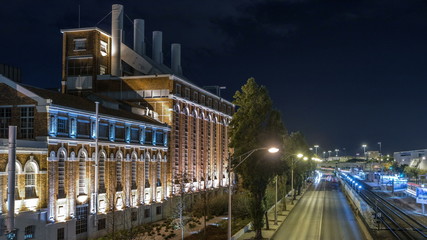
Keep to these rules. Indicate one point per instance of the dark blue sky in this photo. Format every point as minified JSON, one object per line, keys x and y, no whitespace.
{"x":342,"y":72}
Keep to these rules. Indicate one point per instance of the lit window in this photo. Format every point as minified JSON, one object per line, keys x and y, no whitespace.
{"x":61,"y":175}
{"x":80,"y":44}
{"x":82,"y":175}
{"x":119,"y":173}
{"x":102,"y":70}
{"x":30,"y":181}
{"x":103,"y":49}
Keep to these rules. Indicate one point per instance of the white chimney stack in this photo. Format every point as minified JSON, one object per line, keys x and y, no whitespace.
{"x":139,"y":36}
{"x":176,"y":58}
{"x":157,"y":47}
{"x":116,"y":39}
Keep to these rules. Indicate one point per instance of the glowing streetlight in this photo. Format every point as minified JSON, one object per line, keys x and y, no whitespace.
{"x":316,"y":147}
{"x":246,"y":156}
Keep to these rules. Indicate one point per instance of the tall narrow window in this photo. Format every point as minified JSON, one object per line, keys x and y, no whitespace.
{"x":147,"y":171}
{"x":82,"y":174}
{"x":133,"y":185}
{"x":61,"y":175}
{"x":30,"y":181}
{"x":119,"y":172}
{"x":101,"y":170}
{"x":5,"y":116}
{"x":159,"y":173}
{"x":27,"y":122}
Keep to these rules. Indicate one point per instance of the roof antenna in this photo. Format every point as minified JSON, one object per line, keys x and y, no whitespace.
{"x":79,"y":15}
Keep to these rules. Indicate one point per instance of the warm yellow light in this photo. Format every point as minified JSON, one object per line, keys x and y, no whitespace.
{"x":300,"y":155}
{"x":82,"y":198}
{"x":273,"y":150}
{"x":305,"y":158}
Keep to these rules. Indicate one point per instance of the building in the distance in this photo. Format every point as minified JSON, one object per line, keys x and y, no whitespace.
{"x":62,"y":192}
{"x":412,"y":158}
{"x":95,"y":61}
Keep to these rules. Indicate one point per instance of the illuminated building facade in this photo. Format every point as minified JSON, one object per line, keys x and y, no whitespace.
{"x":94,"y":61}
{"x":56,"y":192}
{"x":159,"y":135}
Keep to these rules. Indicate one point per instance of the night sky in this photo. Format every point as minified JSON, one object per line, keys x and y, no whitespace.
{"x":342,"y":72}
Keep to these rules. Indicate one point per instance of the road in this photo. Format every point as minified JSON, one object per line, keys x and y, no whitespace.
{"x":323,"y":213}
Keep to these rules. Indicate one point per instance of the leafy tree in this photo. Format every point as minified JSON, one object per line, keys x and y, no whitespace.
{"x":412,"y":172}
{"x":296,"y":144}
{"x":255,"y":125}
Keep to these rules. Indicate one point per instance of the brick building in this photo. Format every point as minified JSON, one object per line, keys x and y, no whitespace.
{"x":56,"y":195}
{"x":94,"y":61}
{"x":158,"y":132}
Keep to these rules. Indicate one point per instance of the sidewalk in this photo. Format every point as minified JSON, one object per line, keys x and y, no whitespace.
{"x":281,"y":216}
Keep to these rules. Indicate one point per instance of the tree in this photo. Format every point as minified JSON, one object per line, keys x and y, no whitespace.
{"x":296,"y":144}
{"x":255,"y":125}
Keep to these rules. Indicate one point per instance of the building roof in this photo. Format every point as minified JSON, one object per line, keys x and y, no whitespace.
{"x":81,"y":103}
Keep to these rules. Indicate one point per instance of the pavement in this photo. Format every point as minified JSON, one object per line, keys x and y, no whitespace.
{"x":281,"y":216}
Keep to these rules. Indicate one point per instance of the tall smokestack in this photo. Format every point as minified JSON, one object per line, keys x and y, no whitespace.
{"x":139,"y":36}
{"x":176,"y":58}
{"x":10,"y":221}
{"x":157,"y":47}
{"x":116,"y":38}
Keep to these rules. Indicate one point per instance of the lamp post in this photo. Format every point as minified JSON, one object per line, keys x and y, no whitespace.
{"x":300,"y":156}
{"x":324,"y":155}
{"x":316,"y":147}
{"x":329,"y":158}
{"x":364,"y":149}
{"x":230,"y":170}
{"x":379,"y":143}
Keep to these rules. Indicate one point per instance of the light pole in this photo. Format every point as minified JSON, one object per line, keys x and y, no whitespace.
{"x":316,"y":147}
{"x":300,"y":156}
{"x":336,"y":152}
{"x":379,"y":143}
{"x":230,"y":170}
{"x":324,"y":155}
{"x":364,"y":149}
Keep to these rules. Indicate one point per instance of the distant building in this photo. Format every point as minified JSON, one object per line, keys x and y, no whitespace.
{"x":412,"y":158}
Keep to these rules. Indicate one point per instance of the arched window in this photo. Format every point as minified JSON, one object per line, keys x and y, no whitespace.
{"x":82,"y":174}
{"x":101,"y":170}
{"x":158,"y":173}
{"x":30,"y":170}
{"x":133,"y":186}
{"x":147,"y":171}
{"x":119,"y":159}
{"x":61,"y":175}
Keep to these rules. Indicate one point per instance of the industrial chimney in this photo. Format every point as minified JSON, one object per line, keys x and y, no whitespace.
{"x":116,"y":39}
{"x":157,"y":47}
{"x":176,"y":58}
{"x":139,"y":36}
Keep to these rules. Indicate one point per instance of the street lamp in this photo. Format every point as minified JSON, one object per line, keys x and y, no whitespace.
{"x":230,"y":170}
{"x":300,"y":156}
{"x":336,"y":152}
{"x":364,"y":149}
{"x":329,"y":158}
{"x":316,"y":147}
{"x":324,"y":155}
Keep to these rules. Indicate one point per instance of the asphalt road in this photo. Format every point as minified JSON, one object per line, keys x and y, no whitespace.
{"x":323,"y":213}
